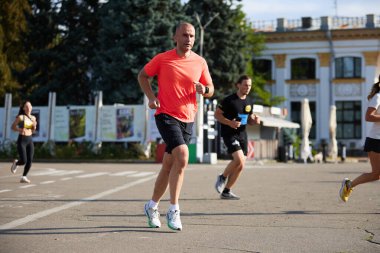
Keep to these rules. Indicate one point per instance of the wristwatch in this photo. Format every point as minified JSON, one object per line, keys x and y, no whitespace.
{"x":207,"y":90}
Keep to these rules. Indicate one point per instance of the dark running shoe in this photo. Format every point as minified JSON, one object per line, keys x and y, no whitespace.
{"x":229,"y":195}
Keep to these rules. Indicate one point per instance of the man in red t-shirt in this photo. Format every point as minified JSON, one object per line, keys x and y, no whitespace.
{"x":181,"y":74}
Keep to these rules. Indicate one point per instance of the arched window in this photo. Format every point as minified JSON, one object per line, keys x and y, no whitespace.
{"x":348,"y":67}
{"x":303,"y":68}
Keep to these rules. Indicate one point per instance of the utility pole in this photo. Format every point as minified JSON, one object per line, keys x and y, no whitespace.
{"x":203,"y":28}
{"x":200,"y":115}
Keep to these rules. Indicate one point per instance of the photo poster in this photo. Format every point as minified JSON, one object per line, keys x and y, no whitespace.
{"x":36,"y":113}
{"x":13,"y":135}
{"x":77,"y":123}
{"x":139,"y":124}
{"x":130,"y":123}
{"x":124,"y":123}
{"x":154,"y":134}
{"x":81,"y":123}
{"x":41,"y":113}
{"x":74,"y":123}
{"x":107,"y":123}
{"x":61,"y":126}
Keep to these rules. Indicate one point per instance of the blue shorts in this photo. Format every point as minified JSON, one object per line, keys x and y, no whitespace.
{"x":173,"y":131}
{"x":236,"y":142}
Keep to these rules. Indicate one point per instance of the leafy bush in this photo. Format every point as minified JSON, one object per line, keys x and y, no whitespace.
{"x":78,"y":150}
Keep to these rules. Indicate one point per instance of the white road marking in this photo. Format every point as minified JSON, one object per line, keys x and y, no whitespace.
{"x":47,"y":182}
{"x":5,"y":190}
{"x":123,"y":173}
{"x":66,"y":173}
{"x":47,"y":212}
{"x":27,"y":186}
{"x":141,"y":174}
{"x":44,"y":172}
{"x":55,"y":172}
{"x":66,"y":178}
{"x":92,"y":175}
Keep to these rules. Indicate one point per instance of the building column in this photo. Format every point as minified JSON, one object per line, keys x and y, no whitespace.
{"x":323,"y":101}
{"x":280,"y":75}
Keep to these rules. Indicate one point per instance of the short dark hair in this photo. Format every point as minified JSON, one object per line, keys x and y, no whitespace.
{"x":242,"y":78}
{"x":181,"y":24}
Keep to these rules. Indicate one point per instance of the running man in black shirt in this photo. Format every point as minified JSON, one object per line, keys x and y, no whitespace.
{"x":234,"y":113}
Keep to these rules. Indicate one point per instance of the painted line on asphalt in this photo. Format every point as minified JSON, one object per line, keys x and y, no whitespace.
{"x":141,"y":174}
{"x":5,"y":190}
{"x":47,"y":212}
{"x":47,"y":182}
{"x":27,"y":186}
{"x":92,"y":175}
{"x":123,"y":173}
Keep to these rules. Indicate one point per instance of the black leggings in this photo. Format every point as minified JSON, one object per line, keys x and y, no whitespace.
{"x":25,"y":148}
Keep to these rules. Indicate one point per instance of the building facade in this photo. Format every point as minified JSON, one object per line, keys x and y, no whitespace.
{"x":330,"y":61}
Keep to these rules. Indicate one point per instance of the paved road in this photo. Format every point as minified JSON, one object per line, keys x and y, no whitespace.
{"x":77,"y":207}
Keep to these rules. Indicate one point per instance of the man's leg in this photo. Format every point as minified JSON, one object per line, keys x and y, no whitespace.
{"x":234,"y":168}
{"x":180,"y":156}
{"x":162,"y":180}
{"x":151,"y":208}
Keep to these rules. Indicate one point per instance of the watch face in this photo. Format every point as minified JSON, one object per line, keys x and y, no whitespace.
{"x":206,"y":90}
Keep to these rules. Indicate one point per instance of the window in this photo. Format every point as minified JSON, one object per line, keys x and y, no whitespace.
{"x":348,"y":67}
{"x":303,"y":68}
{"x":263,"y":67}
{"x":348,"y":117}
{"x":295,"y":108}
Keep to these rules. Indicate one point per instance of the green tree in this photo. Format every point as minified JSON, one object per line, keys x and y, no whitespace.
{"x":224,"y":40}
{"x":131,"y":33}
{"x":78,"y":23}
{"x":62,"y":43}
{"x":229,"y":47}
{"x":12,"y":54}
{"x":39,"y":41}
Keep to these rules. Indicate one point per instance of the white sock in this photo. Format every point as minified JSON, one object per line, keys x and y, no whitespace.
{"x":173,"y":207}
{"x":153,"y":204}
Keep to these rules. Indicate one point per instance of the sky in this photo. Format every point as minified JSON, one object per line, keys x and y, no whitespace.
{"x":266,"y":10}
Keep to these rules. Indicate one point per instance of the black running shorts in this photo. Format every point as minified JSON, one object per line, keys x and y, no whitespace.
{"x":236,"y":142}
{"x":173,"y":131}
{"x":372,"y":145}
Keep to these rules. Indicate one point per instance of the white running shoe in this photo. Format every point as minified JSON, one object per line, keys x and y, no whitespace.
{"x":24,"y":180}
{"x":220,"y":183}
{"x":14,"y":166}
{"x":153,"y":216}
{"x":174,"y":220}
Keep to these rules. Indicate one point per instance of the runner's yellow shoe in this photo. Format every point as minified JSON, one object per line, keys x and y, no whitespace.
{"x":345,"y":189}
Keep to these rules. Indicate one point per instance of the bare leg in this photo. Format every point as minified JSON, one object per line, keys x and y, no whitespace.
{"x":180,"y":159}
{"x":234,"y":168}
{"x":369,"y":177}
{"x":162,"y":180}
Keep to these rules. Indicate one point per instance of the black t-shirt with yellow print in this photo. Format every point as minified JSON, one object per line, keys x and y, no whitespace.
{"x":235,"y":108}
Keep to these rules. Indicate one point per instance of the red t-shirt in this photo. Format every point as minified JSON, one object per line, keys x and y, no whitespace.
{"x":176,"y":90}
